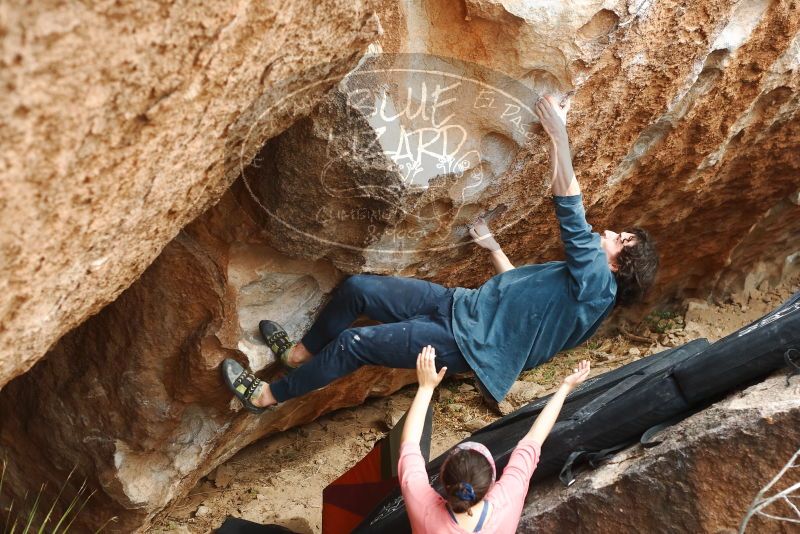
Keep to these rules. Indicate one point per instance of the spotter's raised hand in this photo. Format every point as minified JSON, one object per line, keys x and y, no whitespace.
{"x":579,"y":375}
{"x":426,"y":369}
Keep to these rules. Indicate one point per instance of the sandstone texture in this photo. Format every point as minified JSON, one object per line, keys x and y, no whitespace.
{"x":123,"y":123}
{"x":683,"y":114}
{"x":205,"y":167}
{"x":703,"y":477}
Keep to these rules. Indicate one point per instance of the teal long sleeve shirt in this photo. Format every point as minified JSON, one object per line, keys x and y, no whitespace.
{"x":521,"y":318}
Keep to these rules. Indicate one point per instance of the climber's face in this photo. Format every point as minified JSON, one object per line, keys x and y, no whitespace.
{"x":613,"y":243}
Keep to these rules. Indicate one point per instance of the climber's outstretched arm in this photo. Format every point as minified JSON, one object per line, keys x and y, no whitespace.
{"x":554,"y":121}
{"x":501,"y":262}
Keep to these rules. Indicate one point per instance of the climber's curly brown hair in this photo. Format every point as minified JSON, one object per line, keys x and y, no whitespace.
{"x":637,"y":265}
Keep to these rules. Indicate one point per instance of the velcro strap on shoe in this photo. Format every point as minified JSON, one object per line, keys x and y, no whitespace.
{"x":279,"y":342}
{"x":246,"y":383}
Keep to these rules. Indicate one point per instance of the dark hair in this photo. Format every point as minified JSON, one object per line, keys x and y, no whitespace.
{"x":636,"y":268}
{"x":465,"y":467}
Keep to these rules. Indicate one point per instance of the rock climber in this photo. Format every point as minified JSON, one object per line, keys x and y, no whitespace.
{"x":516,"y":320}
{"x":473,"y":501}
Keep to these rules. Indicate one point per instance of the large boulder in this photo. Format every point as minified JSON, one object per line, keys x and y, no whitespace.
{"x":123,"y":123}
{"x":684,"y":113}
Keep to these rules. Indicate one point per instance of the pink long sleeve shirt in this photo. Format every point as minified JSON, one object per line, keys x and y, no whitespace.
{"x":427,"y":510}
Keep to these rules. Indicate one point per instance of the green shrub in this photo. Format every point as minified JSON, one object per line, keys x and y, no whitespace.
{"x":663,"y":321}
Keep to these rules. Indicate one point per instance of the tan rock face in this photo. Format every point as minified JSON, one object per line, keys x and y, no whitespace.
{"x":677,"y":106}
{"x":393,"y":164}
{"x":120,"y":126}
{"x":684,"y":121}
{"x":751,"y":265}
{"x":702,"y":478}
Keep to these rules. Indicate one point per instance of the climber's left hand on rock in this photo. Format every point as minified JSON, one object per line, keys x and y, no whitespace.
{"x":482,"y":236}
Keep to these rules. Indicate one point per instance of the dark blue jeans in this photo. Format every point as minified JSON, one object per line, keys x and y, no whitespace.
{"x":415,"y":313}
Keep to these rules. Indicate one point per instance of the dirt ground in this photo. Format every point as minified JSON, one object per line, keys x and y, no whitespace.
{"x":280,"y":479}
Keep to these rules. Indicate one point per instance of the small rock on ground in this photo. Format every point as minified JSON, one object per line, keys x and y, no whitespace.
{"x":522,"y":392}
{"x":202,"y":510}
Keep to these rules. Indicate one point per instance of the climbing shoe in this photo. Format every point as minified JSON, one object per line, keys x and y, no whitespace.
{"x":277,"y":340}
{"x":242,"y":383}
